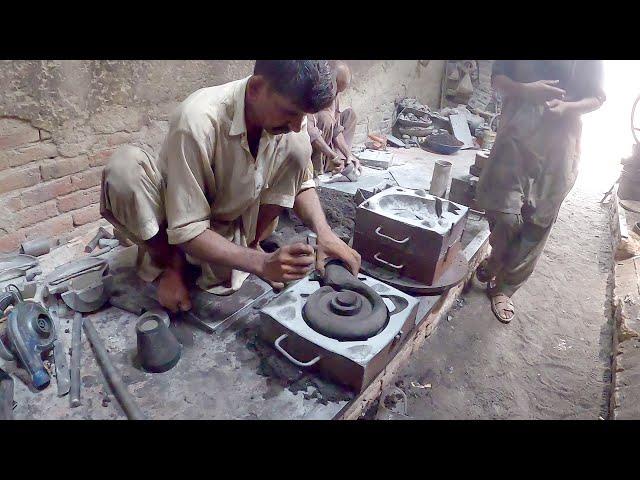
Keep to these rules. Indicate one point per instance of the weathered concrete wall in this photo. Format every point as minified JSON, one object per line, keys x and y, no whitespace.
{"x":60,"y":121}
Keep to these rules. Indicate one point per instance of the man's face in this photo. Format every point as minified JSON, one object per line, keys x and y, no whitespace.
{"x":278,"y":113}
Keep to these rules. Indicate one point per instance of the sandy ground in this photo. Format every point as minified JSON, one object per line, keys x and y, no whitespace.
{"x":552,"y":361}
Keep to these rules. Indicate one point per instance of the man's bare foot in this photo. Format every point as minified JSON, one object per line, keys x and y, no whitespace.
{"x":172,"y":291}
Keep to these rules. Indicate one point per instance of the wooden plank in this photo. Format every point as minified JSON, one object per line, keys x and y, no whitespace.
{"x":475,"y":252}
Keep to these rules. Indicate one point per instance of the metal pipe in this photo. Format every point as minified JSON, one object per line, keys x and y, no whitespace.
{"x":440,"y":178}
{"x":120,"y":391}
{"x":76,"y":353}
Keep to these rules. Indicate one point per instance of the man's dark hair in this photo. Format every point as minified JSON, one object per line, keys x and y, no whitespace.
{"x":307,"y":83}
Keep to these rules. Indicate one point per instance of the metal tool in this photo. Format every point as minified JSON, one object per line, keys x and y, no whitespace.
{"x":30,"y":333}
{"x":76,"y":353}
{"x":120,"y":391}
{"x":60,"y":357}
{"x":62,"y":369}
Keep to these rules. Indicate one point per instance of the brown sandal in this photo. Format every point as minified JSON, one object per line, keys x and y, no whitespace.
{"x":503,"y":304}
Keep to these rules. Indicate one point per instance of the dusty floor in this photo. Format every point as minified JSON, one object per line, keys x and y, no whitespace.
{"x":552,"y":361}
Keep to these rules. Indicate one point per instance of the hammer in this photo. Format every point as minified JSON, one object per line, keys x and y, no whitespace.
{"x":102,"y":233}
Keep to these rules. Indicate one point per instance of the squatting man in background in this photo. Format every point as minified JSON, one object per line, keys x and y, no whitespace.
{"x":533,"y":164}
{"x":235,"y":156}
{"x":331,"y":131}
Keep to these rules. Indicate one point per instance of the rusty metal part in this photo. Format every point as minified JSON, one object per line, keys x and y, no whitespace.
{"x":120,"y":391}
{"x":76,"y":355}
{"x":102,"y":233}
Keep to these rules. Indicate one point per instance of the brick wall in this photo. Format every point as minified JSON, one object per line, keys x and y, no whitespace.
{"x":61,"y":120}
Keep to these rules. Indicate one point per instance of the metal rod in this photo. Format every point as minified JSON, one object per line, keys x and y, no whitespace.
{"x":120,"y":391}
{"x":76,"y":353}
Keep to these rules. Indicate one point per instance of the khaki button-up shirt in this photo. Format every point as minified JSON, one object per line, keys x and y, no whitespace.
{"x":213,"y":181}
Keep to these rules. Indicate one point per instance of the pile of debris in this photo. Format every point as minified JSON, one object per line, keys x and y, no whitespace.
{"x":415,"y":123}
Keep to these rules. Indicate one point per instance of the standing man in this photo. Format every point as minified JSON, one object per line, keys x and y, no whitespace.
{"x":331,"y":131}
{"x":235,"y":156}
{"x":533,"y":164}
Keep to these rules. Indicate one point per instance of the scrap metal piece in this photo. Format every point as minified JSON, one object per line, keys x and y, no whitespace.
{"x":62,"y":368}
{"x":32,"y":273}
{"x":90,"y":269}
{"x":102,"y":233}
{"x":86,"y":300}
{"x":38,"y":246}
{"x":108,"y":242}
{"x":120,"y":391}
{"x":102,"y":251}
{"x":76,"y":353}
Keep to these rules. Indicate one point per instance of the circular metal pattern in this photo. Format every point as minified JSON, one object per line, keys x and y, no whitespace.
{"x":344,"y":315}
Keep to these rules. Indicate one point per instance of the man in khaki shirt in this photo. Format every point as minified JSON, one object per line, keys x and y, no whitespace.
{"x":234,"y":157}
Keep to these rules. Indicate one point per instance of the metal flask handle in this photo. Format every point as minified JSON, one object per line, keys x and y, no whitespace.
{"x":378,"y":232}
{"x":384,"y":262}
{"x":289,"y":357}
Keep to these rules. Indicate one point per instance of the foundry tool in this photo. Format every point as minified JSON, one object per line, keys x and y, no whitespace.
{"x":30,"y":333}
{"x":158,"y":348}
{"x":410,"y":233}
{"x":6,"y":396}
{"x":120,"y":391}
{"x":326,"y":324}
{"x":59,"y":279}
{"x":76,"y":354}
{"x":102,"y":233}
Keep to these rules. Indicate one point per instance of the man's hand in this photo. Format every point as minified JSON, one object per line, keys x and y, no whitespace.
{"x":336,"y":164}
{"x":356,"y":164}
{"x":329,"y":245}
{"x":542,"y":91}
{"x":558,"y":107}
{"x":286,"y":264}
{"x":172,"y":291}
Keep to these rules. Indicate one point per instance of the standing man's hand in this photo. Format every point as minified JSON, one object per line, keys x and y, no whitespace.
{"x":330,"y":246}
{"x":543,"y":91}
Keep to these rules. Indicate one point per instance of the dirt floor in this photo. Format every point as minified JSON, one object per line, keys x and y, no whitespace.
{"x":552,"y":361}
